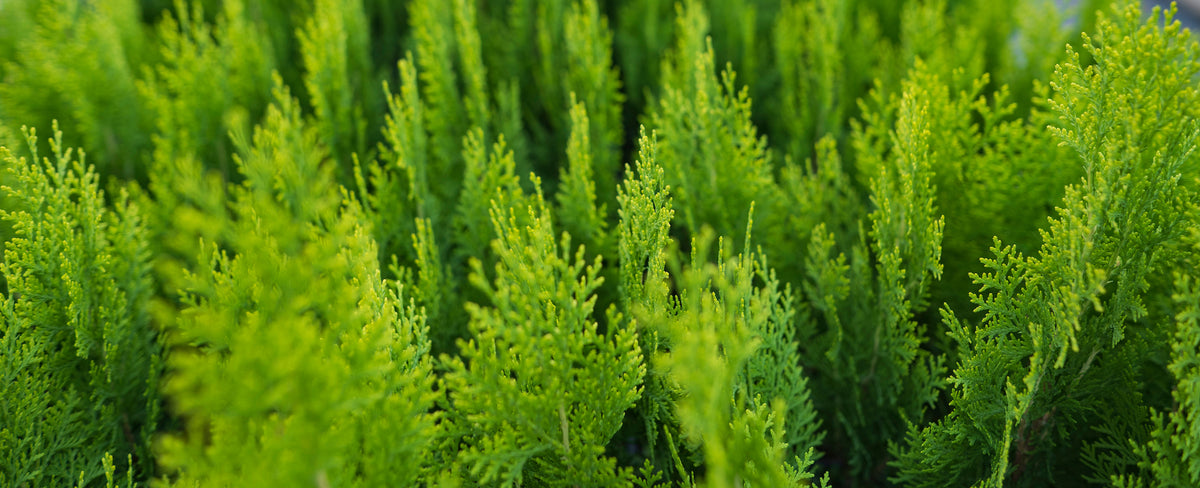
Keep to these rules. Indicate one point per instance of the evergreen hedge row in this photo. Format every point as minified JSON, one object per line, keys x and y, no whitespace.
{"x":598,"y":243}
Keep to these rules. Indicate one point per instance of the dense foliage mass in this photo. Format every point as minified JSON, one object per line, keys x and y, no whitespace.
{"x":598,"y":243}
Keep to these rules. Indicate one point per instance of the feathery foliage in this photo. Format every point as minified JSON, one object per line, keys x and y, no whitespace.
{"x":697,"y":106}
{"x":343,"y":392}
{"x":81,"y":361}
{"x":1023,"y":388}
{"x":76,"y":64}
{"x":595,"y":243}
{"x":539,"y":390}
{"x":1170,"y":457}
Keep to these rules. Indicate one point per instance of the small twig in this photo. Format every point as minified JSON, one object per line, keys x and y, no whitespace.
{"x":1086,"y":364}
{"x":562,"y":417}
{"x":133,"y":443}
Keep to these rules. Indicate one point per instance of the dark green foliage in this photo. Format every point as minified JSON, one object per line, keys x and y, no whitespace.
{"x":638,"y":45}
{"x":1171,"y":456}
{"x":510,"y":243}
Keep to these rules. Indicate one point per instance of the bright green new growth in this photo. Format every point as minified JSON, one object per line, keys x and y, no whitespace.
{"x":867,"y":296}
{"x":748,"y":418}
{"x":290,"y":351}
{"x":696,"y":107}
{"x":1053,"y":321}
{"x":492,"y":243}
{"x":80,"y":361}
{"x":737,"y":431}
{"x":539,"y":389}
{"x":646,"y":211}
{"x":581,"y":215}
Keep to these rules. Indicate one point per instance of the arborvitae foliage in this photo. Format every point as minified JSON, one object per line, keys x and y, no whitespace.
{"x":579,"y":212}
{"x":695,"y":105}
{"x":293,"y":363}
{"x":743,"y":420}
{"x":77,"y":63}
{"x":396,"y":190}
{"x":813,"y":90}
{"x":539,"y":390}
{"x":865,"y":289}
{"x":210,"y":80}
{"x":508,"y":243}
{"x":441,"y":63}
{"x":718,"y":343}
{"x":643,"y":245}
{"x":638,"y":45}
{"x":557,"y":53}
{"x":335,"y":47}
{"x":581,"y":215}
{"x":81,"y":363}
{"x":1170,"y":455}
{"x":1034,"y":375}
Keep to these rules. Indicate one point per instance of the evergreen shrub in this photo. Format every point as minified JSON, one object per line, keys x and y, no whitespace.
{"x":604,"y":243}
